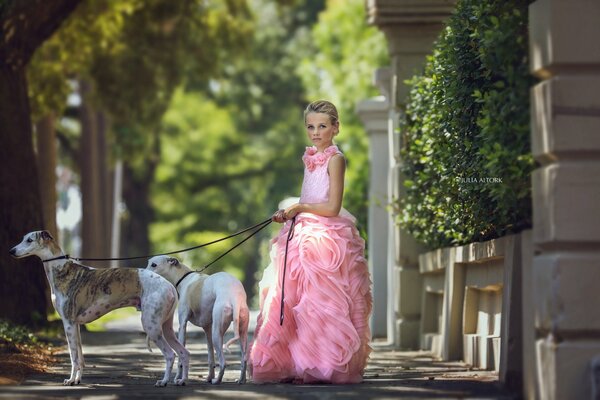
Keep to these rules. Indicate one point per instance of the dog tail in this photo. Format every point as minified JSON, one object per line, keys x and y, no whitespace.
{"x":148,"y":343}
{"x":236,"y":326}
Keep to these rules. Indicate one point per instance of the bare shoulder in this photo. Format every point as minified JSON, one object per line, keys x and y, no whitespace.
{"x":337,"y":160}
{"x":337,"y":165}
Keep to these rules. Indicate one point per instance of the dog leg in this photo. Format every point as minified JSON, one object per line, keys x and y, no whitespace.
{"x":211,"y":354}
{"x":71,"y":330}
{"x":244,"y":320}
{"x":221,"y":320}
{"x":182,"y":337}
{"x":79,"y":347}
{"x":155,"y":333}
{"x":168,"y":353}
{"x":184,"y":355}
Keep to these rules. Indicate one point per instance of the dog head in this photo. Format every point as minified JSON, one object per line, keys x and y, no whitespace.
{"x":38,"y":243}
{"x":168,"y":267}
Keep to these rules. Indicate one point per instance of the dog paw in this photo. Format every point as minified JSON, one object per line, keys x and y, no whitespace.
{"x":161,"y":383}
{"x":70,"y":382}
{"x":240,"y":381}
{"x":215,"y":381}
{"x":180,"y":382}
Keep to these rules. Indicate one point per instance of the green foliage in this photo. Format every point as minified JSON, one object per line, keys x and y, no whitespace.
{"x":12,"y":335}
{"x":163,"y":44}
{"x":466,"y":125}
{"x":231,"y":150}
{"x":94,"y":26}
{"x":344,"y":52}
{"x":135,"y":53}
{"x":211,"y":181}
{"x":266,"y":96}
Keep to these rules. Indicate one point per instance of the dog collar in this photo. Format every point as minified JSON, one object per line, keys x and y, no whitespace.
{"x":65,"y":257}
{"x":183,"y":277}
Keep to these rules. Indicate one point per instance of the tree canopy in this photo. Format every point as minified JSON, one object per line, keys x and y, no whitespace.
{"x":203,"y":101}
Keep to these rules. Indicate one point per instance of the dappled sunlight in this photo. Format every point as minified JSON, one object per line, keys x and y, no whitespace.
{"x":99,"y":325}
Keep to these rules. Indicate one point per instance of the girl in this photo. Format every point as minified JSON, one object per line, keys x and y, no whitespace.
{"x":324,"y":336}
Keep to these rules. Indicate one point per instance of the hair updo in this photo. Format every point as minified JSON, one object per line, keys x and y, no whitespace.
{"x":324,"y":107}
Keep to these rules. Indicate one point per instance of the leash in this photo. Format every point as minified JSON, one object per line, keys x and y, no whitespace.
{"x":259,"y":226}
{"x":264,"y":225}
{"x":182,"y":278}
{"x":289,"y":238}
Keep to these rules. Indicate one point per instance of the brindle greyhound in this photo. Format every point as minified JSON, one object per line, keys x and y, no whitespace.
{"x":81,"y":294}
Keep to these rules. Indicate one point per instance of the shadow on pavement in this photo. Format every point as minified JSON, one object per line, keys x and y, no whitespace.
{"x":119,"y":366}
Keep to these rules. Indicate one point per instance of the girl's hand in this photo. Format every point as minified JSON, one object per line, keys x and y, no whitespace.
{"x":278,"y":216}
{"x":292,"y":211}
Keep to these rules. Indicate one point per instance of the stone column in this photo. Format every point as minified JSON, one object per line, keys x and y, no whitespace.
{"x":374,"y":115}
{"x":565,"y":55}
{"x":410,"y":28}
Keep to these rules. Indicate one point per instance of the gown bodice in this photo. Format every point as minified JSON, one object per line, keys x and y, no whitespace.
{"x":315,"y":186}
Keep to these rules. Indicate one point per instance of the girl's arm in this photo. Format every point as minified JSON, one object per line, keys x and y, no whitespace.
{"x":336,"y":170}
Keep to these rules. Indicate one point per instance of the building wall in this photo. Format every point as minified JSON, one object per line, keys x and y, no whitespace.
{"x":565,"y":56}
{"x":559,"y":259}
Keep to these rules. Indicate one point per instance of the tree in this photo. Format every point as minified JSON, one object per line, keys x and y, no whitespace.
{"x":162,"y":45}
{"x":25,"y":25}
{"x":126,"y":57}
{"x":52,"y":74}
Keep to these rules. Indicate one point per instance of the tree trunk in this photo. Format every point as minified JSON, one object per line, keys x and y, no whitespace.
{"x":250,"y":270}
{"x":136,"y":194}
{"x":22,"y":282}
{"x":24,"y":25}
{"x":92,"y":233}
{"x":46,"y":162}
{"x":105,"y":179}
{"x":46,"y":144}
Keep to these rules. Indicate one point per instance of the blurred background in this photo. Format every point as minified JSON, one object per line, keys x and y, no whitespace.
{"x":158,"y":125}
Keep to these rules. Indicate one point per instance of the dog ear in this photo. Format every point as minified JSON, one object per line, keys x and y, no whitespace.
{"x":173,"y":261}
{"x":45,"y":235}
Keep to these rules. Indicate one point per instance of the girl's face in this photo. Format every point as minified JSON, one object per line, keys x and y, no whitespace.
{"x":320,"y":130}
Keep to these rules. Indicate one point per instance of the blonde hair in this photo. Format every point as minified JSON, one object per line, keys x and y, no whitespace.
{"x":322,"y":106}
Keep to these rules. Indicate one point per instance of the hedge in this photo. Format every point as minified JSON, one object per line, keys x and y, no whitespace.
{"x":466,"y":141}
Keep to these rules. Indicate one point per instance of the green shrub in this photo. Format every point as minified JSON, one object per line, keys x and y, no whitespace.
{"x":13,"y":335}
{"x":466,"y":128}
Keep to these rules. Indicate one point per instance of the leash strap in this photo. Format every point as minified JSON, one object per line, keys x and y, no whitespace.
{"x":65,"y":257}
{"x":182,"y":278}
{"x":264,"y":225}
{"x":287,"y":242}
{"x":260,"y":224}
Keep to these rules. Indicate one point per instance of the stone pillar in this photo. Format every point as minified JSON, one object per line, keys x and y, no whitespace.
{"x":410,"y":28}
{"x":374,"y":115}
{"x":565,"y":55}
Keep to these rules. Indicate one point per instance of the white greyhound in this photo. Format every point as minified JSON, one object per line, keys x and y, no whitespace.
{"x":81,"y":294}
{"x":211,"y":302}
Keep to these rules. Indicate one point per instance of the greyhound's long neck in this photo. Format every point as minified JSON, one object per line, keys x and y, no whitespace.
{"x":55,"y":249}
{"x":51,"y":266}
{"x":184,"y":270}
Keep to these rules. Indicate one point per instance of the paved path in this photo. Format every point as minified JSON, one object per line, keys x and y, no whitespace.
{"x":118,"y":366}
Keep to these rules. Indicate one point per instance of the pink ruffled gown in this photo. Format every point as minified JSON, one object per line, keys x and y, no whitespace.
{"x":325,"y":334}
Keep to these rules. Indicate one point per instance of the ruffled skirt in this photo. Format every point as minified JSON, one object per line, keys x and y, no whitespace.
{"x":325,"y":333}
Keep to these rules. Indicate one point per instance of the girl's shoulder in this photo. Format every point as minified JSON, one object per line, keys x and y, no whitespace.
{"x":336,"y":161}
{"x":335,"y":153}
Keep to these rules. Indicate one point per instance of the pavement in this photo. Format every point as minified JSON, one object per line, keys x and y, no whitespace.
{"x":119,"y":366}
